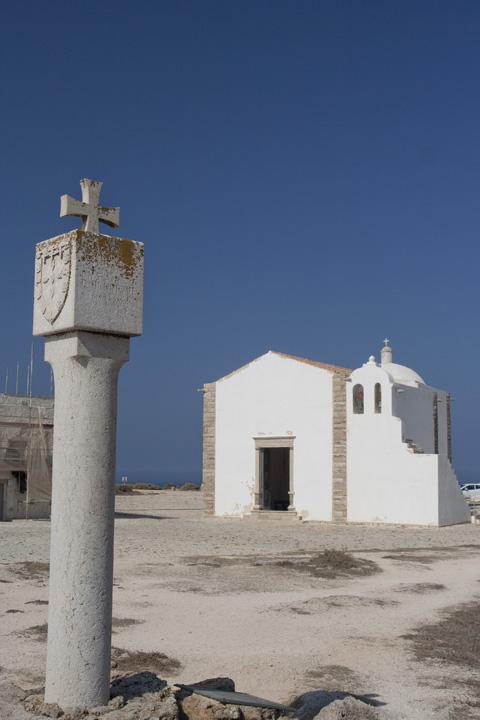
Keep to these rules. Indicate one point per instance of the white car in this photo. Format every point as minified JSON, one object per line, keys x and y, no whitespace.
{"x":471,"y":490}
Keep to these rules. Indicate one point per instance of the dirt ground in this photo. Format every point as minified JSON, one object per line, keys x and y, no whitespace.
{"x":263,"y":602}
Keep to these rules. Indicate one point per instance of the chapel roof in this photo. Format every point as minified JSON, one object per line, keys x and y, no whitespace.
{"x":402,"y":373}
{"x":399,"y":373}
{"x":337,"y":369}
{"x":325,"y":366}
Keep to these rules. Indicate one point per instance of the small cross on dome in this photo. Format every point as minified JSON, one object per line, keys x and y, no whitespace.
{"x":386,"y":342}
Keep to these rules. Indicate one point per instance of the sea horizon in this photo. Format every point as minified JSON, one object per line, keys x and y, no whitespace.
{"x":160,"y":477}
{"x":180,"y":477}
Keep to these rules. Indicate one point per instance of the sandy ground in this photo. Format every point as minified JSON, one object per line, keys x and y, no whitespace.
{"x":218,"y":596}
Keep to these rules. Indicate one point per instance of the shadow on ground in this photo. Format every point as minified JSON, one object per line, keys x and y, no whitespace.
{"x":139,"y":516}
{"x":310,"y":703}
{"x":137,"y":685}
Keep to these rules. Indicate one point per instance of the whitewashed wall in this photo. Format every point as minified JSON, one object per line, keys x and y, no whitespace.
{"x":415,"y":407}
{"x":452,"y":508}
{"x":386,"y":483}
{"x":274,"y":396}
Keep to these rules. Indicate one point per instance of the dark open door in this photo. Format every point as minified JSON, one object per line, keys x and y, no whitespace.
{"x":275,"y":468}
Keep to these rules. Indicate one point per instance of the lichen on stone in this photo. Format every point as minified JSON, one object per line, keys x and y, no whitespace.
{"x":95,"y":249}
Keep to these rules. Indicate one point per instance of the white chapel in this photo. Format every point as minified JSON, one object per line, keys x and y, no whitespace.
{"x":288,"y":435}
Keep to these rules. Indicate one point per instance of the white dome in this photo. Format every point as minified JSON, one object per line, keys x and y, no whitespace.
{"x":402,"y":374}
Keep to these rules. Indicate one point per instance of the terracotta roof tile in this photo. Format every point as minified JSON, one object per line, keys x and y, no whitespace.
{"x":324,"y":366}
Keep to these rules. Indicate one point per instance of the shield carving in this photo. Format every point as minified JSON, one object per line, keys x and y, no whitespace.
{"x":52,"y":278}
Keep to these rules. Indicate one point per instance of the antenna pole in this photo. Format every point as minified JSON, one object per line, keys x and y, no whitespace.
{"x":31,"y":372}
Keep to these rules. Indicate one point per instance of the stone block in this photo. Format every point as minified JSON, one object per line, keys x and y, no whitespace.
{"x":349,"y":708}
{"x":87,"y":281}
{"x":339,"y":451}
{"x":208,"y":462}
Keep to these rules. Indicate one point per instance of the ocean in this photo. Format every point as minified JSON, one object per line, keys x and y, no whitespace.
{"x":160,"y":477}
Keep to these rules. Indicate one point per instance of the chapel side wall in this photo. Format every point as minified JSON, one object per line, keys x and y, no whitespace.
{"x":386,"y":482}
{"x":414,"y":406}
{"x":208,"y":469}
{"x":443,"y":423}
{"x":452,"y":506}
{"x":280,"y":397}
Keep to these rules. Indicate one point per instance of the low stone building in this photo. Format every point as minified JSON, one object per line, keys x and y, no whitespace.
{"x":288,"y":435}
{"x":26,"y":436}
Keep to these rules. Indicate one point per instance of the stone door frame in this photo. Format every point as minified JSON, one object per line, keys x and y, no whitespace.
{"x":263,"y":442}
{"x":3,"y":499}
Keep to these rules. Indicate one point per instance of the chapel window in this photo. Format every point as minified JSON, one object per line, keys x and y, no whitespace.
{"x":358,"y":403}
{"x":378,"y":398}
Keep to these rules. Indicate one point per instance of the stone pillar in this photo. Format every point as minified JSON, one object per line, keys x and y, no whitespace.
{"x":339,"y":448}
{"x":88,"y":302}
{"x":85,"y":367}
{"x":209,"y":437}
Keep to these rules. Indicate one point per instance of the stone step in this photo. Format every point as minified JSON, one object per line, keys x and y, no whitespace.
{"x":413,"y":447}
{"x":283,"y":515}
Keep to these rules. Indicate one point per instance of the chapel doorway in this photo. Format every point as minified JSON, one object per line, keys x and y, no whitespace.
{"x":276,"y":478}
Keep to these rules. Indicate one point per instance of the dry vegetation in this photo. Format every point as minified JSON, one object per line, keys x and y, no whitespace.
{"x":133,"y":489}
{"x":455,"y":639}
{"x":326,"y":564}
{"x":139,"y":661}
{"x":454,"y":642}
{"x":125,"y":490}
{"x":125,"y":622}
{"x":31,"y":570}
{"x":413,"y":558}
{"x":36,"y":632}
{"x":421,"y":588}
{"x":331,"y":564}
{"x":334,"y":677}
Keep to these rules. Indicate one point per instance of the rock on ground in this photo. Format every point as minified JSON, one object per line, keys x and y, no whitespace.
{"x":198,"y":707}
{"x":36,"y":705}
{"x":348,"y":709}
{"x":144,"y":696}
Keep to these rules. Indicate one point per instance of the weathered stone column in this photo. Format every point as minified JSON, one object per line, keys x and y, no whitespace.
{"x":88,"y":302}
{"x":85,"y":367}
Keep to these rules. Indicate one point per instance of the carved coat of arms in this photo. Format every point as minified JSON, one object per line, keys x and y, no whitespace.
{"x":52,"y":277}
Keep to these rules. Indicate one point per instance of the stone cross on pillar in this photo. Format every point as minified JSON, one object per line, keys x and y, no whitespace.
{"x":88,"y":303}
{"x":89,"y":208}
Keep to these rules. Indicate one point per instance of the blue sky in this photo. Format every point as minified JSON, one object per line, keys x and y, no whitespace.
{"x":304,"y":175}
